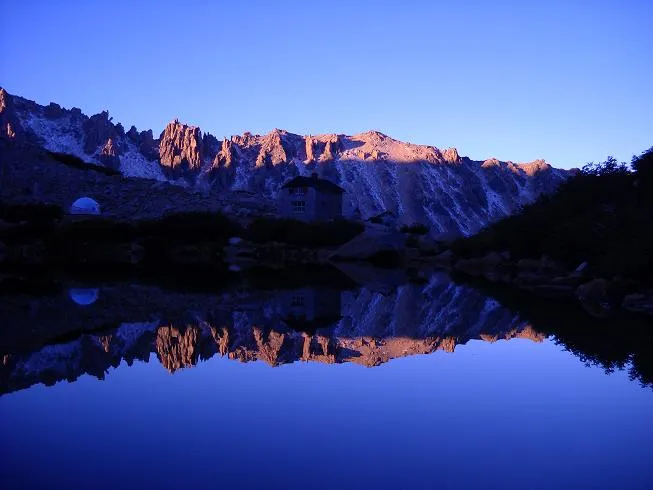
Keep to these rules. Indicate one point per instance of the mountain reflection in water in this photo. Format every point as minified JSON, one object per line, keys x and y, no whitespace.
{"x":55,"y":337}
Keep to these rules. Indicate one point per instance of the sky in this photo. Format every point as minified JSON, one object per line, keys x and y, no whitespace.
{"x":566,"y":81}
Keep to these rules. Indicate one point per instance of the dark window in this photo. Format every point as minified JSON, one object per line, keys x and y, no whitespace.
{"x":299,"y":206}
{"x":298,"y":301}
{"x":299,"y":191}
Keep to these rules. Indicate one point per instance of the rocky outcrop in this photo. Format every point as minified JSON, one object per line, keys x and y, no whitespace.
{"x":177,"y":348}
{"x":639,"y":302}
{"x":272,"y":151}
{"x":373,"y":244}
{"x":53,"y":111}
{"x":310,"y":149}
{"x":98,"y":130}
{"x":144,"y":142}
{"x":362,"y":325}
{"x":11,"y":130}
{"x":451,"y":194}
{"x":210,"y":146}
{"x":451,"y":155}
{"x":180,"y":146}
{"x":109,"y":155}
{"x":332,"y":148}
{"x":226,"y":156}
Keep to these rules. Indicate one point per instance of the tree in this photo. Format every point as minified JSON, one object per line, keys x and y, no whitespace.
{"x":643,"y":164}
{"x":609,"y":167}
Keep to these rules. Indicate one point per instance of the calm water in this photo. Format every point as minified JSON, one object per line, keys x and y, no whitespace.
{"x":386,"y":385}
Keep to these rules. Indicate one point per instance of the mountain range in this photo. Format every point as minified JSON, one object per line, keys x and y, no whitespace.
{"x":367,"y":326}
{"x":451,"y":194}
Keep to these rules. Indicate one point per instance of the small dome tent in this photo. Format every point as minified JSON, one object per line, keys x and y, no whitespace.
{"x":85,"y":205}
{"x":84,"y":297}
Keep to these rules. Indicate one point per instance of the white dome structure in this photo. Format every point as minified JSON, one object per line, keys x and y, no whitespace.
{"x":85,"y":205}
{"x":84,"y":297}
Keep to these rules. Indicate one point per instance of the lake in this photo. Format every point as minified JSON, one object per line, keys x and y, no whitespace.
{"x":371,"y":379}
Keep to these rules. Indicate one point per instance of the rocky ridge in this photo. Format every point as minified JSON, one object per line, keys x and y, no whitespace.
{"x":451,"y":194}
{"x":363,"y":326}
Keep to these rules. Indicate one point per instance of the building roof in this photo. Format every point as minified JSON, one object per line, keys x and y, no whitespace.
{"x":314,"y":182}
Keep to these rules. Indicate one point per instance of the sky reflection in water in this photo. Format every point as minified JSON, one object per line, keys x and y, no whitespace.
{"x":514,"y":414}
{"x":518,"y":413}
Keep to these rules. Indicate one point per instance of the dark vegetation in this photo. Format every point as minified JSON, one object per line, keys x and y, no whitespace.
{"x":75,"y":162}
{"x":623,"y":340}
{"x":34,"y":213}
{"x":415,"y":229}
{"x":602,"y":215}
{"x":40,"y":233}
{"x":301,"y":234}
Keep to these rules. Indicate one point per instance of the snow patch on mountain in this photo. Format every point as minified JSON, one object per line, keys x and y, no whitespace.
{"x":450,"y":194}
{"x":59,"y":135}
{"x":134,"y":164}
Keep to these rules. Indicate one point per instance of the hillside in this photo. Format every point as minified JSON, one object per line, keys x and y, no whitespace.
{"x":451,"y":194}
{"x":592,"y":239}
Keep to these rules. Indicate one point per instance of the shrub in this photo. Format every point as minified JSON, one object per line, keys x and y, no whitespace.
{"x":37,"y":212}
{"x":302,"y":234}
{"x":191,"y":227}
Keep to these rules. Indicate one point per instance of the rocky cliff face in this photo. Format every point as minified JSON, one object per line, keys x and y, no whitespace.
{"x":416,"y":183}
{"x":180,"y":147}
{"x":10,"y":129}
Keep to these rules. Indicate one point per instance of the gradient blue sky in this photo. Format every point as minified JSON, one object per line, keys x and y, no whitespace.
{"x":568,"y":81}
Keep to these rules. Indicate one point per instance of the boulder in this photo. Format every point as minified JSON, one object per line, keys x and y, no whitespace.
{"x":529,"y":279}
{"x":384,"y":281}
{"x":581,"y":270}
{"x":571,"y":281}
{"x":493,"y":259}
{"x":473,"y":266}
{"x":548,"y":264}
{"x":529,"y":264}
{"x":372,"y":243}
{"x":495,"y":274}
{"x":427,"y":245}
{"x":553,"y":290}
{"x":639,"y":302}
{"x":594,"y":290}
{"x":444,"y":258}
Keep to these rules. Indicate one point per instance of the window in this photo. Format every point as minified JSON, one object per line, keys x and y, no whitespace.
{"x":298,"y":301}
{"x":299,"y":191}
{"x":299,"y":206}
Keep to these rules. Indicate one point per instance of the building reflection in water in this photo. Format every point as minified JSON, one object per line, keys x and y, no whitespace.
{"x":364,"y":325}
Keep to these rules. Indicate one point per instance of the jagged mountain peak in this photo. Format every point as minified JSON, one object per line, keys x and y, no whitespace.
{"x":417,"y":183}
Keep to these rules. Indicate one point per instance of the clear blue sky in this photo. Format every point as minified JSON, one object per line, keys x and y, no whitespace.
{"x":568,"y":81}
